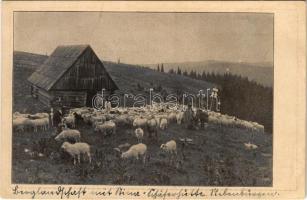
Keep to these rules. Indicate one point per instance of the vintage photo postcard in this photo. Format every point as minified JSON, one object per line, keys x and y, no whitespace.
{"x":153,"y":100}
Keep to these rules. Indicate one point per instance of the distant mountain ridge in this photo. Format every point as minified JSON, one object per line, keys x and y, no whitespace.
{"x":261,"y":73}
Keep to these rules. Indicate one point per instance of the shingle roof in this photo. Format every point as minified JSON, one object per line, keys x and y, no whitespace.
{"x":62,"y":58}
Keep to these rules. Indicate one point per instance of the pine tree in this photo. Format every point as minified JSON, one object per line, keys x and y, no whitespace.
{"x":158,"y":68}
{"x":178,"y":71}
{"x":162,"y":68}
{"x":171,"y":71}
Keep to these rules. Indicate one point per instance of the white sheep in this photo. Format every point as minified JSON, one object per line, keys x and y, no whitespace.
{"x":225,"y":121}
{"x":20,"y":123}
{"x":19,"y":115}
{"x":163,"y":123}
{"x":122,"y":120}
{"x":136,"y":151}
{"x":70,"y":120}
{"x":106,"y":128}
{"x":69,"y":134}
{"x":97,"y":118}
{"x":41,"y":123}
{"x":140,"y":122}
{"x":247,"y":125}
{"x":75,"y":150}
{"x":39,"y":116}
{"x":79,"y":111}
{"x":152,"y":127}
{"x":139,"y":133}
{"x":258,"y":127}
{"x":172,"y":117}
{"x":170,"y":148}
{"x":213,"y":119}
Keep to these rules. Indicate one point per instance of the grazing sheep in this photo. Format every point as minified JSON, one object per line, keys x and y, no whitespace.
{"x":163,"y":124}
{"x":172,"y":117}
{"x":109,"y":117}
{"x":41,"y":123}
{"x":122,"y":120}
{"x":170,"y":148}
{"x":39,"y":116}
{"x":20,"y":123}
{"x":97,"y":118}
{"x":19,"y":115}
{"x":79,"y":111}
{"x":140,"y":122}
{"x":130,"y":119}
{"x":258,"y":127}
{"x":75,"y":150}
{"x":69,"y":134}
{"x":152,"y":127}
{"x":214,"y":120}
{"x":70,"y":120}
{"x":107,"y":128}
{"x":136,"y":151}
{"x":224,"y":121}
{"x":139,"y":133}
{"x":247,"y":125}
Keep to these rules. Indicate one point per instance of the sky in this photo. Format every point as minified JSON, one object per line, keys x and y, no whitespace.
{"x":150,"y":38}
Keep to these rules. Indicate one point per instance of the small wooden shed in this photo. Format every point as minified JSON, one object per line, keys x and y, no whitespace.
{"x":71,"y":76}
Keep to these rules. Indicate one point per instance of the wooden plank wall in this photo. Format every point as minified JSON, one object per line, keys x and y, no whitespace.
{"x":71,"y":98}
{"x":88,"y":73}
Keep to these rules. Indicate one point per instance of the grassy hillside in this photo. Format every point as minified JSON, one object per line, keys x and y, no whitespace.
{"x":129,"y":78}
{"x":262,"y":73}
{"x":217,"y":157}
{"x":28,"y":60}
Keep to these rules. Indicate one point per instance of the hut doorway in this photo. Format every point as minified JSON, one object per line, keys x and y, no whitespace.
{"x":90,"y":96}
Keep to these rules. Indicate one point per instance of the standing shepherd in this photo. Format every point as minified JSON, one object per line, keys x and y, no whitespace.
{"x":57,"y":118}
{"x":188,"y":117}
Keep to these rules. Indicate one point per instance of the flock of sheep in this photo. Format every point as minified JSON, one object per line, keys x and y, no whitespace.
{"x":36,"y":122}
{"x":145,"y":121}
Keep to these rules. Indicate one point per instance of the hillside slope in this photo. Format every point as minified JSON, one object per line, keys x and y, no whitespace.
{"x":260,"y":72}
{"x":28,"y":60}
{"x":126,"y":76}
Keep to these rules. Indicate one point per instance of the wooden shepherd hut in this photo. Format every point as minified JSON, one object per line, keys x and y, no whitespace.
{"x":71,"y":76}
